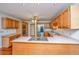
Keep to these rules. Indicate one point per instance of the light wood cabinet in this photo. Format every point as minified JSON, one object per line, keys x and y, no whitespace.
{"x":5,"y":42}
{"x":66,"y":20}
{"x":58,"y":21}
{"x":6,"y":23}
{"x":24,"y":28}
{"x":55,"y":24}
{"x":17,"y":24}
{"x":9,"y":23}
{"x":62,"y":20}
{"x":13,"y":23}
{"x":69,"y":19}
{"x":22,"y":48}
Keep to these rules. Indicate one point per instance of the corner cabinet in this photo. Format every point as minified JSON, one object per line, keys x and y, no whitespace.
{"x":69,"y":19}
{"x":9,"y":23}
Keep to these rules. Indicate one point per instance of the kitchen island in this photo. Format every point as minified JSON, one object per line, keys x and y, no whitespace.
{"x":56,"y":45}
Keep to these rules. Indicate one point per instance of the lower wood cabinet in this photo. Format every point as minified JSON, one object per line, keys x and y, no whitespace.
{"x":6,"y":41}
{"x":31,"y":48}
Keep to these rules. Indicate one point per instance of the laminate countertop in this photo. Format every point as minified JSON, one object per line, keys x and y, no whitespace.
{"x":54,"y":39}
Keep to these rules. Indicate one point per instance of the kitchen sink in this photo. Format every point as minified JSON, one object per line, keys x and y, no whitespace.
{"x":38,"y":39}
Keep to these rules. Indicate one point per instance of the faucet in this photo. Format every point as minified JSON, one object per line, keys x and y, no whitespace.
{"x":41,"y":32}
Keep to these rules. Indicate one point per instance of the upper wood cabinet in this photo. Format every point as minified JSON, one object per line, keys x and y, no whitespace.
{"x":9,"y":23}
{"x":56,"y":23}
{"x":17,"y":24}
{"x":69,"y":19}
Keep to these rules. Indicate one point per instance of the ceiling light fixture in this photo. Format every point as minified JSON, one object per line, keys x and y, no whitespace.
{"x":34,"y":19}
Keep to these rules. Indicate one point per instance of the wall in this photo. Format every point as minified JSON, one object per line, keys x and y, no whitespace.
{"x":74,"y":16}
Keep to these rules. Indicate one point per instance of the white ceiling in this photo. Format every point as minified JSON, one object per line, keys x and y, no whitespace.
{"x":45,"y":11}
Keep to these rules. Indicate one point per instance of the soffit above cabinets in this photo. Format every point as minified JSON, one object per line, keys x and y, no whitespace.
{"x":45,"y":11}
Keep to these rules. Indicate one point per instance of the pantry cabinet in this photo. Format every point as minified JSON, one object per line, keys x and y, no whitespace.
{"x":68,"y":19}
{"x":9,"y":23}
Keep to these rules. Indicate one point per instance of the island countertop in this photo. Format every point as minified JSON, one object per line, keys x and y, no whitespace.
{"x":54,"y":39}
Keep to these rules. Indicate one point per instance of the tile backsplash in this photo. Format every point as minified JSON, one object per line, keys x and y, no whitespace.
{"x":75,"y":35}
{"x":66,"y":31}
{"x":7,"y":31}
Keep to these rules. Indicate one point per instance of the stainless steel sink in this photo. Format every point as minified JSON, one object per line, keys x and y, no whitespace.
{"x":38,"y":39}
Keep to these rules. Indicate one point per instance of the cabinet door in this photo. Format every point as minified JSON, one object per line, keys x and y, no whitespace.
{"x":61,"y":21}
{"x":13,"y":23}
{"x":27,"y":28}
{"x":65,"y":20}
{"x":8,"y":23}
{"x":58,"y":22}
{"x":5,"y":23}
{"x":17,"y":24}
{"x":5,"y":42}
{"x":51,"y":24}
{"x":55,"y":23}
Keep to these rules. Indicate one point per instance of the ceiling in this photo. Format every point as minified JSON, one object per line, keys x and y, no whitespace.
{"x":24,"y":11}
